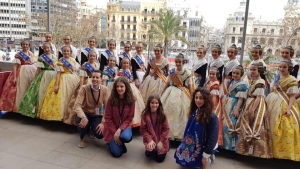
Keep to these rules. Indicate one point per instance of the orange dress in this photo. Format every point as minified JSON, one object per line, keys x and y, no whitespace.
{"x":214,"y":87}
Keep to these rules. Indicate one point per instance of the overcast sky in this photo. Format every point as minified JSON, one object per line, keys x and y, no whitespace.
{"x":217,"y":11}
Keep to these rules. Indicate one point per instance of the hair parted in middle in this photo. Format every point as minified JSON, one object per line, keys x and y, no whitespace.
{"x":239,"y":67}
{"x":66,"y":46}
{"x":160,"y":110}
{"x":204,"y":112}
{"x":259,"y":48}
{"x":114,"y":97}
{"x":290,"y":48}
{"x":290,"y":65}
{"x":218,"y":47}
{"x":160,"y":47}
{"x":216,"y":69}
{"x":203,"y":49}
{"x":261,"y":69}
{"x":233,"y":46}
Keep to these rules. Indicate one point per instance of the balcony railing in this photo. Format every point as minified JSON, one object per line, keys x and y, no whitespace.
{"x":149,"y":12}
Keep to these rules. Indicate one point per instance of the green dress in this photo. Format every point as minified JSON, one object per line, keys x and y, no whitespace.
{"x":30,"y":103}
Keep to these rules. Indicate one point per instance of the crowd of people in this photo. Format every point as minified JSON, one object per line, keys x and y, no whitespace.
{"x":213,"y":105}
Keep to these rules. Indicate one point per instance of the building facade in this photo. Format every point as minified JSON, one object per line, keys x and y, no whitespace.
{"x":273,"y":36}
{"x":128,"y":21}
{"x":12,"y":21}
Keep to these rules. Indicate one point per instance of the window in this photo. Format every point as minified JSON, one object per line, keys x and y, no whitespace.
{"x":233,"y":29}
{"x":279,"y":41}
{"x":241,"y":29}
{"x":281,"y":31}
{"x":264,"y":30}
{"x":232,"y":39}
{"x":122,"y":27}
{"x":255,"y":30}
{"x":134,"y":27}
{"x":128,"y":26}
{"x":272,"y":31}
{"x":270,"y":41}
{"x":262,"y":41}
{"x":134,"y":19}
{"x":122,"y":18}
{"x":33,"y":7}
{"x":128,"y":18}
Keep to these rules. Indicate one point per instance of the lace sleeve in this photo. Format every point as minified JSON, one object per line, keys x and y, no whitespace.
{"x":292,"y":90}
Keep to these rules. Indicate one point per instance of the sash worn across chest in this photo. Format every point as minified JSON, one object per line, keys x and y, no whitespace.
{"x":157,"y":71}
{"x":126,"y":73}
{"x":219,"y":107}
{"x":111,"y":71}
{"x":139,"y":61}
{"x":25,"y":57}
{"x":125,"y":55}
{"x":89,"y":67}
{"x":232,"y":87}
{"x":67,"y":64}
{"x":47,"y":60}
{"x":178,"y":83}
{"x":285,"y":98}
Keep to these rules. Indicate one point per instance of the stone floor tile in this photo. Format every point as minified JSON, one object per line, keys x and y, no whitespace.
{"x":64,"y":160}
{"x":91,"y":149}
{"x":11,"y":161}
{"x":93,"y":164}
{"x":24,"y":127}
{"x":42,"y":142}
{"x":13,"y":136}
{"x":43,"y":165}
{"x":28,"y":151}
{"x":126,"y":160}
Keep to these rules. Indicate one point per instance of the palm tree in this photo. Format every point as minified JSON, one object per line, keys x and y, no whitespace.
{"x":168,"y":28}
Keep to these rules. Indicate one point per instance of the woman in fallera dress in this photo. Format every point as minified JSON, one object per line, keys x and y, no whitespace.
{"x":232,"y":51}
{"x":45,"y":72}
{"x":213,"y":85}
{"x":67,"y":42}
{"x":103,"y":59}
{"x":19,"y":79}
{"x":126,"y":53}
{"x":200,"y":67}
{"x":217,"y":61}
{"x":232,"y":108}
{"x":85,"y":75}
{"x":176,"y":97}
{"x":138,"y":65}
{"x":257,"y":52}
{"x":255,"y":136}
{"x":287,"y":53}
{"x":48,"y":38}
{"x":155,"y":79}
{"x":200,"y":139}
{"x":60,"y":89}
{"x":139,"y":103}
{"x":283,"y":114}
{"x":84,"y":53}
{"x":109,"y":74}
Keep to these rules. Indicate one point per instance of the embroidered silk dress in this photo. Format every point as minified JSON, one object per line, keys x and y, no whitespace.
{"x":231,"y":125}
{"x":55,"y":104}
{"x":10,"y":97}
{"x":255,"y":137}
{"x":31,"y":102}
{"x":214,"y":87}
{"x":109,"y":77}
{"x":151,"y":85}
{"x":70,"y":114}
{"x":139,"y":103}
{"x":284,"y":129}
{"x":176,"y":103}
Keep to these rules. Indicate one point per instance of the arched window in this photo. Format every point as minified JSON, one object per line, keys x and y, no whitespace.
{"x":277,"y":52}
{"x":269,"y":52}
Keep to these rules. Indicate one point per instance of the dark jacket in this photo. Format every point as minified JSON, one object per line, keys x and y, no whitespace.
{"x":210,"y":134}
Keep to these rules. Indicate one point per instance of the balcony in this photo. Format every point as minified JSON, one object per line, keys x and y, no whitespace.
{"x":134,"y":30}
{"x":113,"y":20}
{"x":149,"y":12}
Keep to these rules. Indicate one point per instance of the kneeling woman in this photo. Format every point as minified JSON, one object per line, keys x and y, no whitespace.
{"x":176,"y":98}
{"x":255,"y":138}
{"x":201,"y":133}
{"x":119,"y":112}
{"x":139,"y":103}
{"x":155,"y":129}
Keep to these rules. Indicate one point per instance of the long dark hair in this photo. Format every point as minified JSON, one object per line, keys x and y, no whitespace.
{"x":161,"y":117}
{"x":204,"y":112}
{"x":129,"y":99}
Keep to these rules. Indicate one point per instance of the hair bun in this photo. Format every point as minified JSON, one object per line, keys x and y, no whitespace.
{"x":233,"y":45}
